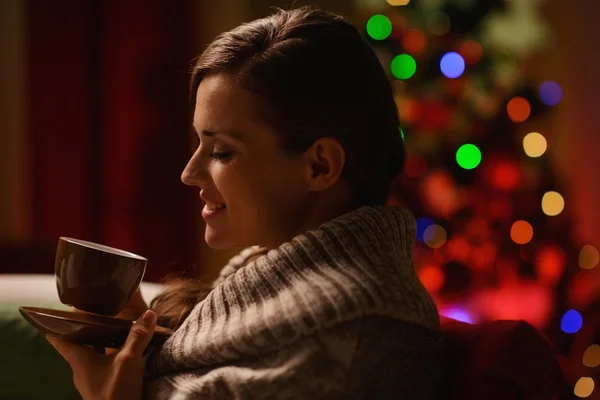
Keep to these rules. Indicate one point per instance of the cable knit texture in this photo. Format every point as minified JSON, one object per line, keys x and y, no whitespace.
{"x":318,"y":317}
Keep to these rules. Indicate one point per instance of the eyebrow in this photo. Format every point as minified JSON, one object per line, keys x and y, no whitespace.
{"x":211,"y":133}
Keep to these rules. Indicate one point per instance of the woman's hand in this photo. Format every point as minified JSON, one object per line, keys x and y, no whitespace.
{"x":132,"y":311}
{"x":110,"y":377}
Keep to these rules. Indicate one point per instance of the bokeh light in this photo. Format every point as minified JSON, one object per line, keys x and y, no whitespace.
{"x":403,"y":66}
{"x":518,"y":109}
{"x":571,"y":322}
{"x":471,"y":51}
{"x":468,"y":156}
{"x":584,"y":387}
{"x":458,"y":314}
{"x":379,"y":27}
{"x":552,"y":203}
{"x":550,"y":93}
{"x":534,"y":144}
{"x":402,"y":134}
{"x":588,"y":257}
{"x":435,"y":236}
{"x":398,"y":2}
{"x":416,"y":166}
{"x":410,"y":110}
{"x":452,"y":65}
{"x":432,"y":277}
{"x":413,"y":41}
{"x":506,"y":176}
{"x":550,"y":262}
{"x":458,"y":249}
{"x":591,"y":357}
{"x":422,"y":224}
{"x":438,"y":23}
{"x":521,"y":232}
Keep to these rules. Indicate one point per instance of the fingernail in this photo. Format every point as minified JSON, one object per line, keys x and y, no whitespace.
{"x":147,"y":318}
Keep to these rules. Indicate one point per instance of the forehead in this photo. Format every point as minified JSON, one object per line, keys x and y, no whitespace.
{"x":221,"y":101}
{"x":223,"y":105}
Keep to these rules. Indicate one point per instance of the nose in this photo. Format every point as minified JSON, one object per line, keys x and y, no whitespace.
{"x":193,"y":173}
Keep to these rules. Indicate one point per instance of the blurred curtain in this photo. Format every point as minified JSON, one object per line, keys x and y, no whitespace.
{"x":14,"y":221}
{"x":108,"y":124}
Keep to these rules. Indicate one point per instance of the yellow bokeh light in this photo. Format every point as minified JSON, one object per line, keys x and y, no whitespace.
{"x":398,"y":2}
{"x":584,"y":387}
{"x":552,"y":203}
{"x":588,"y":257}
{"x":535,"y":144}
{"x":591,"y":357}
{"x":435,"y":236}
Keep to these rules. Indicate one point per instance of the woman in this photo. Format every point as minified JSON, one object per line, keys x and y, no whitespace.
{"x":298,"y":145}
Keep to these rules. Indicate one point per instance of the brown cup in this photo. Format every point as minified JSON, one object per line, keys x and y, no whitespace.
{"x":96,"y":278}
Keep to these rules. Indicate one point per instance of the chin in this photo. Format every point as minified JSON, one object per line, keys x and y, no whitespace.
{"x":218,"y":240}
{"x":215,"y":241}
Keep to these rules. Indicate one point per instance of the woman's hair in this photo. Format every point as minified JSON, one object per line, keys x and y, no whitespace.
{"x":314,"y":76}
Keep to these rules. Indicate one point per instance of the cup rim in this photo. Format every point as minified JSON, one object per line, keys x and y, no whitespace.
{"x":101,"y":247}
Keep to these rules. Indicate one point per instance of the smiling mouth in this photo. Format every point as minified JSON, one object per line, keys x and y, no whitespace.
{"x":211,"y":210}
{"x":214,"y":206}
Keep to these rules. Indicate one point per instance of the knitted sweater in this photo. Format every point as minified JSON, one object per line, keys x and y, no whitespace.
{"x":336,"y":313}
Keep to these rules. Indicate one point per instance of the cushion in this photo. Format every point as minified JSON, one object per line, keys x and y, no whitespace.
{"x":500,"y":360}
{"x":29,"y":367}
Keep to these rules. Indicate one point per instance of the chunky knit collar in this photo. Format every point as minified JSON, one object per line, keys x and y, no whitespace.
{"x":358,"y":264}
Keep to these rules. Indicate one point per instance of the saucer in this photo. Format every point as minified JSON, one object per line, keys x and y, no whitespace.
{"x":84,"y":328}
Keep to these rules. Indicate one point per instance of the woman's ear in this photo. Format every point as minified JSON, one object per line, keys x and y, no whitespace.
{"x":326,"y":159}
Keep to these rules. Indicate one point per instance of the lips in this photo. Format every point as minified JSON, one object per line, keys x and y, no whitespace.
{"x":210,"y":201}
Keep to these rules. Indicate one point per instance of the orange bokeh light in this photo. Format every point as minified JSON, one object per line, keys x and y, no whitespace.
{"x":432,"y":277}
{"x":521,"y":232}
{"x":413,"y":41}
{"x":471,"y":51}
{"x":410,"y":110}
{"x":518,"y":109}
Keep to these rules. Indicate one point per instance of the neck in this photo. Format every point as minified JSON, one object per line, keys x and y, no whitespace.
{"x":323,"y":207}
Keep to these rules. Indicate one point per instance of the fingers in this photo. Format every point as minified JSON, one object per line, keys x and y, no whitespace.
{"x":140,"y":334}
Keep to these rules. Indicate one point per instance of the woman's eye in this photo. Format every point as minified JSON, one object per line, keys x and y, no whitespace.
{"x":220,"y":155}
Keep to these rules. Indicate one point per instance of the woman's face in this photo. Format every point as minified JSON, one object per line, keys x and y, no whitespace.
{"x":260,"y":194}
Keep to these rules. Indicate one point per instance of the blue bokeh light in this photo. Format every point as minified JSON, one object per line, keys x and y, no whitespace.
{"x":452,"y":65}
{"x":422,"y":224}
{"x":571,"y":322}
{"x":550,"y":93}
{"x":458,"y":314}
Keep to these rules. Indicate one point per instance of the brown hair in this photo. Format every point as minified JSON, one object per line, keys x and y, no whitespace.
{"x":315,"y":76}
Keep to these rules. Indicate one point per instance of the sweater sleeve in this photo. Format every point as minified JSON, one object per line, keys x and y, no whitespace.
{"x":340,"y":363}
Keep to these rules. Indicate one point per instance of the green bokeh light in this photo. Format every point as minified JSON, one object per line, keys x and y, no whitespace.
{"x":403,"y":66}
{"x":402,"y":134}
{"x":468,"y":156}
{"x":379,"y":27}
